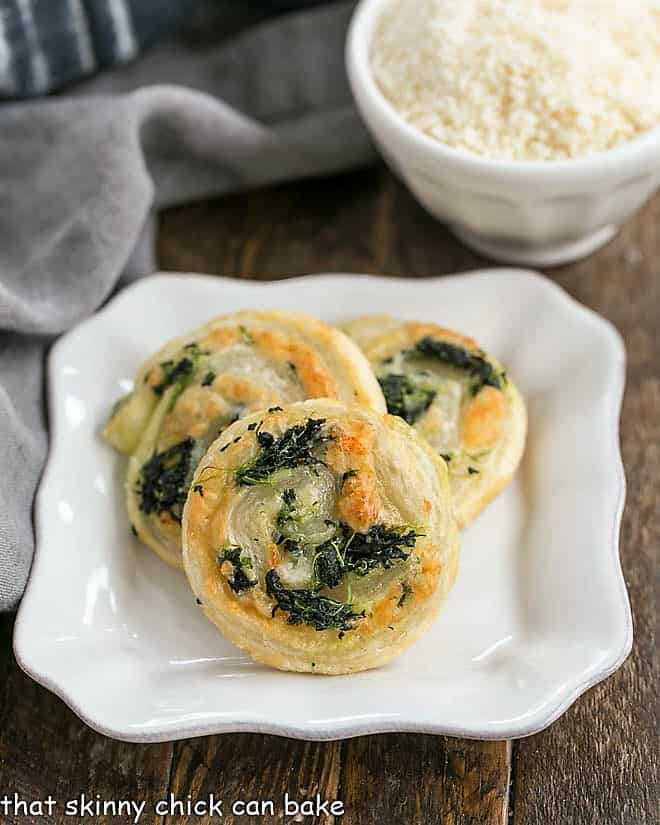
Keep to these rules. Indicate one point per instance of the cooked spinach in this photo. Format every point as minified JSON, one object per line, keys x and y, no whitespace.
{"x":347,"y":551}
{"x":179,"y":373}
{"x":360,"y":553}
{"x":310,"y":608}
{"x":288,"y":507}
{"x":294,"y":448}
{"x":380,"y":546}
{"x":238,"y":580}
{"x":329,"y":562}
{"x":165,"y":478}
{"x":173,"y":373}
{"x":208,"y":379}
{"x":481,"y":371}
{"x":406,"y":396}
{"x":285,"y":517}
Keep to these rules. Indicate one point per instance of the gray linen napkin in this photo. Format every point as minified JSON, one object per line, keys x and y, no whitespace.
{"x":79,"y":177}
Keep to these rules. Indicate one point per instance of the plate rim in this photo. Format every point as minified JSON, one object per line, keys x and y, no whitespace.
{"x":328,"y":730}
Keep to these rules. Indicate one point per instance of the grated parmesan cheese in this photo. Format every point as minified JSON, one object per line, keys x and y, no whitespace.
{"x":522,"y":79}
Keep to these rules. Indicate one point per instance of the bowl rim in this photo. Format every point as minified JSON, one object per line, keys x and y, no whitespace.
{"x":366,"y":90}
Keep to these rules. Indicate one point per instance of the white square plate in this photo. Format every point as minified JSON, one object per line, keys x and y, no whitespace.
{"x":538,"y":614}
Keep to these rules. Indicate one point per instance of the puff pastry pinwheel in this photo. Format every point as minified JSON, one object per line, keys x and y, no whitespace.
{"x":455,"y":395}
{"x":320,"y":537}
{"x":197,"y":385}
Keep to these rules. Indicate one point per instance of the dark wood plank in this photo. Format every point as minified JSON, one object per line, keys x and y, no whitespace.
{"x":45,"y":749}
{"x":413,"y":778}
{"x":362,"y":222}
{"x":250,"y":768}
{"x":599,"y":764}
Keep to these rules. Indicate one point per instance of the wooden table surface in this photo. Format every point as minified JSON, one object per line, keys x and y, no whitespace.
{"x":597,"y":764}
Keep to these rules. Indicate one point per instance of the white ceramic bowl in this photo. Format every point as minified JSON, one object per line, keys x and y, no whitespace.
{"x":538,"y":213}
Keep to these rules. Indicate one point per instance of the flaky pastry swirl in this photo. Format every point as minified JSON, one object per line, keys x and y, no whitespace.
{"x":197,"y":385}
{"x":456,"y":395}
{"x":320,"y":537}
